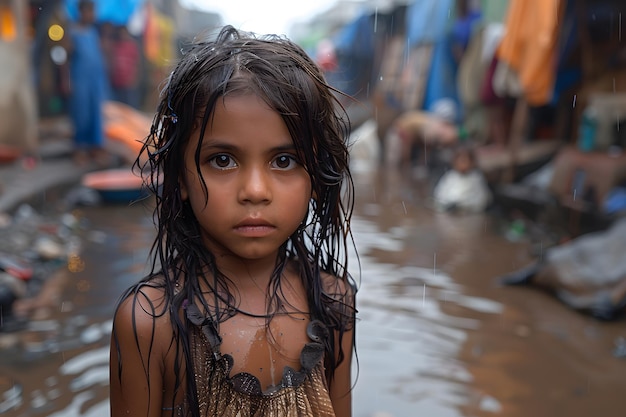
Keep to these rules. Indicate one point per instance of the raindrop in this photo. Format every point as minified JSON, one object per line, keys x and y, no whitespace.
{"x":376,"y":20}
{"x":574,"y":102}
{"x":404,"y":207}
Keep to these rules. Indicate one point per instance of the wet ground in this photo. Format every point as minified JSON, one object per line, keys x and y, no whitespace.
{"x":437,"y":336}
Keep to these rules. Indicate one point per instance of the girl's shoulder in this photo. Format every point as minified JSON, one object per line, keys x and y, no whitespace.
{"x":143,"y":312}
{"x":338,"y":289}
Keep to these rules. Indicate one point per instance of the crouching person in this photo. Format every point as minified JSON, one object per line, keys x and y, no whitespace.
{"x":463,"y":187}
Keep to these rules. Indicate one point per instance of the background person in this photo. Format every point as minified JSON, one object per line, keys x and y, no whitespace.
{"x":125,"y":66}
{"x":86,"y":86}
{"x":463,"y":187}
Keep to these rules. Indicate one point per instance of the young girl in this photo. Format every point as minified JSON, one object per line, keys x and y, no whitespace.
{"x":249,"y":309}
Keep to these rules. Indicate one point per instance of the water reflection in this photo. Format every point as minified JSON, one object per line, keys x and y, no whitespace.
{"x":407,"y":344}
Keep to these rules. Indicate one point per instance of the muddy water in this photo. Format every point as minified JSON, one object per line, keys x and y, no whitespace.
{"x":437,"y":336}
{"x":58,"y":366}
{"x":440,"y":337}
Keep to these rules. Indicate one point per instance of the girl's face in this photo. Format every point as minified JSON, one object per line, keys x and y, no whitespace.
{"x":258,"y":192}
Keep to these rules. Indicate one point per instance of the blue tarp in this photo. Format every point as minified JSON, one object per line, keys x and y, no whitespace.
{"x":429,"y":20}
{"x":114,"y":11}
{"x":357,"y":37}
{"x":434,"y":22}
{"x":354,"y":45}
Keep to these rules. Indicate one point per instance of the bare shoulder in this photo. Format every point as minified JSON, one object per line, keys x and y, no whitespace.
{"x":140,"y":356}
{"x":339,"y":289}
{"x":142,"y":318}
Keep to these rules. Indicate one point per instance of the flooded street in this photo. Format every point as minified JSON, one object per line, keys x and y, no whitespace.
{"x":522,"y":83}
{"x":440,"y":337}
{"x":437,"y":335}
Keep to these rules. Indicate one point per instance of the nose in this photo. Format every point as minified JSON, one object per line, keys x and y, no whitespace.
{"x":256,"y":186}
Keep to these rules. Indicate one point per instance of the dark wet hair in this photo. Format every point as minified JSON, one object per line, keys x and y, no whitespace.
{"x":281,"y":73}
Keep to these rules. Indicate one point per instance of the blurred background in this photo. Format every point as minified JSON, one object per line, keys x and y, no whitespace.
{"x":487,"y":148}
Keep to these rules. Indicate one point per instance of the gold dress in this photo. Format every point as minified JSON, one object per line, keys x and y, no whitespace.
{"x":301,"y":393}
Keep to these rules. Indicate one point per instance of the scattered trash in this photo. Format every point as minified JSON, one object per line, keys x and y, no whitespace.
{"x":15,"y":267}
{"x":48,"y":248}
{"x":516,"y":230}
{"x":587,"y":273}
{"x":82,"y":196}
{"x":33,"y":247}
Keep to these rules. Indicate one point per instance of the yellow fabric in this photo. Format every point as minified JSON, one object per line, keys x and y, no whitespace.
{"x":529,"y":44}
{"x":159,"y":38}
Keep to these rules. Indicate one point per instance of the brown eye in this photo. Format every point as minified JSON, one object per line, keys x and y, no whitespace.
{"x":222,"y":161}
{"x":284,"y":161}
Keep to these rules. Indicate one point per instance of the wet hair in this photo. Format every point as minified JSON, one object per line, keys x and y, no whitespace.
{"x":284,"y":76}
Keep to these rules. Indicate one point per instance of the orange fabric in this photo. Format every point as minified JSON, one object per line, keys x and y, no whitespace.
{"x":529,"y":45}
{"x":8,"y":26}
{"x":158,"y":38}
{"x":126,"y":126}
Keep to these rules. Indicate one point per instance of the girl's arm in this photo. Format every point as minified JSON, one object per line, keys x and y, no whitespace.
{"x":341,"y":385}
{"x":341,"y":388}
{"x":136,"y":356}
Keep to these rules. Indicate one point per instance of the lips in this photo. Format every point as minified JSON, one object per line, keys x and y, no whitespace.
{"x":254,"y":227}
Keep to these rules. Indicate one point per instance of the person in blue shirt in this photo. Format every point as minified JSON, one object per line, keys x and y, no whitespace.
{"x":86,"y":86}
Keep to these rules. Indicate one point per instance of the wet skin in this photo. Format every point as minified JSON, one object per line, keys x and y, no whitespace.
{"x":258,"y":192}
{"x":258,"y":195}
